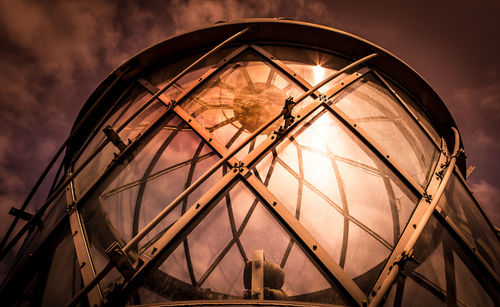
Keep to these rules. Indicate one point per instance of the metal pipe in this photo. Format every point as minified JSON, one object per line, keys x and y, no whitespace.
{"x":334,"y":75}
{"x":207,"y":174}
{"x":229,"y":155}
{"x":182,"y":73}
{"x":109,"y":265}
{"x":420,"y":227}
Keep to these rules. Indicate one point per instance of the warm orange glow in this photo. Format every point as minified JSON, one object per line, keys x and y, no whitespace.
{"x":319,"y":73}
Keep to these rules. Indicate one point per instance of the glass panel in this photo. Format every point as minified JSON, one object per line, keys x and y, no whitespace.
{"x":210,"y":263}
{"x":461,"y":208}
{"x":240,"y":99}
{"x":341,"y":192}
{"x":64,"y":278}
{"x":163,"y":75}
{"x":416,"y":295}
{"x":375,"y":110}
{"x":137,"y":191}
{"x":440,"y":263}
{"x":416,"y":109}
{"x":99,"y":163}
{"x":312,"y":65}
{"x":469,"y":291}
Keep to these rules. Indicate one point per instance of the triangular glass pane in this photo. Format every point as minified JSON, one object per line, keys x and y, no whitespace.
{"x":171,"y":160}
{"x":176,"y":265}
{"x":432,"y":269}
{"x":209,"y":239}
{"x":240,"y":98}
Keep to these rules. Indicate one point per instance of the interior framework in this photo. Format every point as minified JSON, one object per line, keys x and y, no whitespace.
{"x":248,"y":154}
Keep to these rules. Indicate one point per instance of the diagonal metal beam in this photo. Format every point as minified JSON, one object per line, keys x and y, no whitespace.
{"x":203,"y":177}
{"x":419,"y":219}
{"x":127,"y":151}
{"x":82,"y":248}
{"x":335,"y":272}
{"x":311,"y":246}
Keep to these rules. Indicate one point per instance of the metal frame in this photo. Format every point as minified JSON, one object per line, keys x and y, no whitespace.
{"x":427,"y":205}
{"x":419,"y":219}
{"x":203,"y":205}
{"x":82,"y":248}
{"x":178,"y":111}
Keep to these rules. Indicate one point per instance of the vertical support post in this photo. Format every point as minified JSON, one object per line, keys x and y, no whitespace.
{"x":87,"y":269}
{"x":258,"y":274}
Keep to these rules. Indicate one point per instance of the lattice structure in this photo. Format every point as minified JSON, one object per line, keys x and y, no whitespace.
{"x":289,"y":164}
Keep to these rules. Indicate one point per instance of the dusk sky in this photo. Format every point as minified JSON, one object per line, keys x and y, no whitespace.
{"x":53,"y":54}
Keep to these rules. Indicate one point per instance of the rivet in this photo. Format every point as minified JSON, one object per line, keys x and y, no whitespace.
{"x":197,"y":206}
{"x":414,"y":226}
{"x":210,"y":140}
{"x":315,"y":247}
{"x":274,"y":203}
{"x":200,"y":79}
{"x":154,"y":250}
{"x":354,"y":125}
{"x":387,"y":156}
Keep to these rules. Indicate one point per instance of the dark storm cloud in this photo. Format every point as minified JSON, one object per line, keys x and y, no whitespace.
{"x":54,"y":53}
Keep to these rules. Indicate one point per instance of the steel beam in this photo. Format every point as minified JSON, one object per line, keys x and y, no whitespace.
{"x":82,"y":247}
{"x":419,"y":219}
{"x":334,"y":270}
{"x":207,"y":74}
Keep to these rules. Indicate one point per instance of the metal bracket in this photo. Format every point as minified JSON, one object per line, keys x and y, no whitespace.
{"x":23,"y":215}
{"x":427,"y":197}
{"x":238,"y":167}
{"x":120,"y":260}
{"x":114,"y":138}
{"x":287,"y":113}
{"x":403,"y":258}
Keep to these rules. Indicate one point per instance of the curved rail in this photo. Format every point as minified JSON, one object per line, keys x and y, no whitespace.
{"x":420,"y":227}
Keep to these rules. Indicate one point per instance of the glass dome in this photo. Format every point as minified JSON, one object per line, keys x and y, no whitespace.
{"x":270,"y":169}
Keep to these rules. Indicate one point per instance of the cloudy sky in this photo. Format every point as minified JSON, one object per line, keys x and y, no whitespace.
{"x":53,"y":54}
